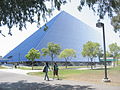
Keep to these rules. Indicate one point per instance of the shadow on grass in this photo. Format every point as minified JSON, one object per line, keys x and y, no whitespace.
{"x":102,"y":69}
{"x":23,"y":85}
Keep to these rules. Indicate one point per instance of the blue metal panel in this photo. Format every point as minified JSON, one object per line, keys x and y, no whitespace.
{"x":63,"y":29}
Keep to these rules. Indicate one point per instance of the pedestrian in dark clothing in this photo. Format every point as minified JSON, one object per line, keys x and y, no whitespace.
{"x":55,"y":71}
{"x":46,"y":67}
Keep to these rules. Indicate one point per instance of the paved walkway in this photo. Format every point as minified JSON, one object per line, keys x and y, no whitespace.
{"x":19,"y":71}
{"x":16,"y":79}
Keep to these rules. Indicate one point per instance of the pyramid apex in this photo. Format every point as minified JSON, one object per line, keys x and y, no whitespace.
{"x":64,"y":12}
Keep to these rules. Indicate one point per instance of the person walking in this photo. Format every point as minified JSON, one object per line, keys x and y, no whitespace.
{"x":55,"y":70}
{"x":46,"y":67}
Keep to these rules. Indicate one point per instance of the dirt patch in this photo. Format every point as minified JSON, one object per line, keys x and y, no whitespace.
{"x":97,"y":77}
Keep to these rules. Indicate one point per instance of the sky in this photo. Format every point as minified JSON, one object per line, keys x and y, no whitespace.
{"x":86,"y":15}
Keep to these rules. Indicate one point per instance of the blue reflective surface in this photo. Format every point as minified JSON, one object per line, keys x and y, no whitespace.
{"x":63,"y":29}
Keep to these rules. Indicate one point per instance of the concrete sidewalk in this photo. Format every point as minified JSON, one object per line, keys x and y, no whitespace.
{"x":19,"y":71}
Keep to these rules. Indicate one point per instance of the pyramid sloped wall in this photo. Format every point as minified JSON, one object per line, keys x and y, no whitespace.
{"x":18,"y":53}
{"x":63,"y":29}
{"x":70,"y":32}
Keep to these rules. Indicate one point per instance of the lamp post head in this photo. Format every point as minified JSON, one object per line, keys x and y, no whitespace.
{"x":99,"y":24}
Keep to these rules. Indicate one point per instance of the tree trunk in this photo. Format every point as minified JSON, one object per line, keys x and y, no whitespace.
{"x":91,"y":63}
{"x":66,"y":63}
{"x":94,"y":64}
{"x":52,"y":66}
{"x":117,"y":61}
{"x":52,"y":61}
{"x":88,"y":63}
{"x":32,"y":65}
{"x":113,"y":62}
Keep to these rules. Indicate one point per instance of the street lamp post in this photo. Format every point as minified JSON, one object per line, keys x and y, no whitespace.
{"x":99,"y":25}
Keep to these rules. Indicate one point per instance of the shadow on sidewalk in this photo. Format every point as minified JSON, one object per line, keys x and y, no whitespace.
{"x":23,"y":85}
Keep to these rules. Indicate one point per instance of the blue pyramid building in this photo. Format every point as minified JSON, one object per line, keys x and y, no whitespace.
{"x":63,"y":29}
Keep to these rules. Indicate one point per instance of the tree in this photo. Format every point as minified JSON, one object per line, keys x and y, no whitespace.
{"x":52,"y":50}
{"x":19,"y":12}
{"x":116,"y":23}
{"x":114,"y":50}
{"x":100,"y":53}
{"x":67,"y":54}
{"x":118,"y":56}
{"x":32,"y":55}
{"x":91,"y":50}
{"x":103,"y":7}
{"x":108,"y":54}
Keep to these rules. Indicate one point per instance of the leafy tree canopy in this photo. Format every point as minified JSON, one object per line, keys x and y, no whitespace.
{"x":33,"y":54}
{"x":67,"y":54}
{"x":114,"y":49}
{"x":116,"y":23}
{"x":51,"y":50}
{"x":19,"y":12}
{"x":103,"y":7}
{"x":45,"y":51}
{"x":91,"y":49}
{"x":108,"y":54}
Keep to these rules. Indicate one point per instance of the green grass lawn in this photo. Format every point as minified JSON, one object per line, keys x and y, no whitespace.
{"x":71,"y":67}
{"x":41,"y":67}
{"x":94,"y":76}
{"x":115,"y":68}
{"x":30,"y":68}
{"x":2,"y":67}
{"x":64,"y":73}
